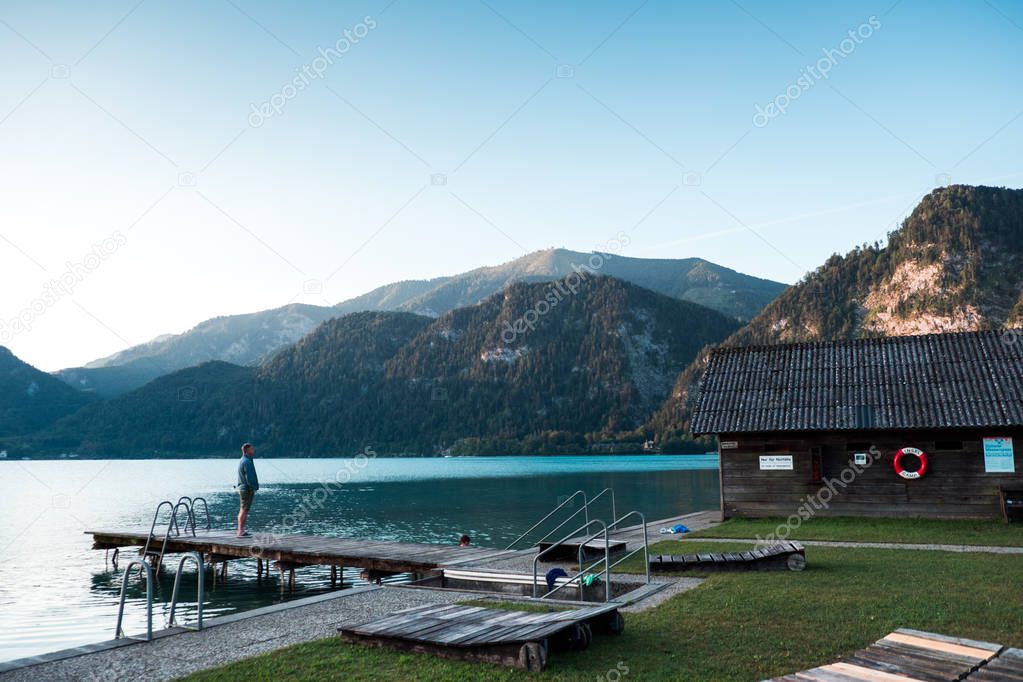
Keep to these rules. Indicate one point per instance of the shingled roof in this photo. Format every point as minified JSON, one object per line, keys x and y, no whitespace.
{"x":968,"y":379}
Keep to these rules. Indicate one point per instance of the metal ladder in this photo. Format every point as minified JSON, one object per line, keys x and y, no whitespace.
{"x":172,"y":525}
{"x":585,"y":510}
{"x":118,"y":631}
{"x":605,"y":561}
{"x":200,"y":572}
{"x":150,"y":577}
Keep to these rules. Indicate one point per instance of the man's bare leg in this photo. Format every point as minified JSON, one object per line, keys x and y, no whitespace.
{"x":242,"y":516}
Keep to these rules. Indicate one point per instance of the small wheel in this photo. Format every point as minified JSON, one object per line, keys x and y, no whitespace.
{"x":587,"y":636}
{"x":796,"y":562}
{"x":576,"y":637}
{"x":533,"y":657}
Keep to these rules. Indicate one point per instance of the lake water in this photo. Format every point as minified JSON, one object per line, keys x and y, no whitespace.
{"x":56,"y":592}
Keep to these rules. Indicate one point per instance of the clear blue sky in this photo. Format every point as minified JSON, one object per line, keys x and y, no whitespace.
{"x":552,"y":124}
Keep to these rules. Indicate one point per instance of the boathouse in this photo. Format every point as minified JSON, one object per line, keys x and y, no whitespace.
{"x":924,"y":426}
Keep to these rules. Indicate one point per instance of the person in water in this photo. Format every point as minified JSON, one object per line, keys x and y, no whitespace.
{"x":247,"y":486}
{"x":464,"y":541}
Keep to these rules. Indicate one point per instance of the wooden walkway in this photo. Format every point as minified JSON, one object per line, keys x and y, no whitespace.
{"x":783,"y":556}
{"x":518,"y":639}
{"x":303,"y":550}
{"x":911,"y":655}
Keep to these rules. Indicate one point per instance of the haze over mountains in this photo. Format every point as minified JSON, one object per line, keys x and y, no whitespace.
{"x":534,"y":367}
{"x":252,"y":338}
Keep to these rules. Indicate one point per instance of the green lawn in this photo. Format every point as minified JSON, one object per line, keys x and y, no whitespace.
{"x":736,"y":626}
{"x":950,"y":532}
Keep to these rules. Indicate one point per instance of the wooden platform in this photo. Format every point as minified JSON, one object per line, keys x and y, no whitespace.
{"x":304,"y":550}
{"x":907,"y":655}
{"x":518,"y":639}
{"x":783,"y":556}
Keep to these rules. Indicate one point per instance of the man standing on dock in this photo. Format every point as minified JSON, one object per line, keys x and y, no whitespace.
{"x":247,"y":486}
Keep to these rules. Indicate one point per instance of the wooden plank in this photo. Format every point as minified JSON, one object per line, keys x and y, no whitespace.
{"x":977,"y":644}
{"x":496,"y":625}
{"x":928,"y":669}
{"x":927,"y":654}
{"x":867,"y":674}
{"x":822,"y":675}
{"x":529,"y":657}
{"x":949,"y":647}
{"x":922,"y":659}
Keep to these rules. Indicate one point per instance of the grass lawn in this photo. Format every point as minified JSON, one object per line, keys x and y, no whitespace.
{"x":928,"y":531}
{"x":736,"y":626}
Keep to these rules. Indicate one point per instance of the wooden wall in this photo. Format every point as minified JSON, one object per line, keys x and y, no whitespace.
{"x":956,"y":484}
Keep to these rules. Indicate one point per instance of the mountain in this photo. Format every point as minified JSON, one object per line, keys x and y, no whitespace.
{"x":540,"y":365}
{"x":238,"y":339}
{"x":254,"y":337}
{"x":955,"y":264}
{"x":200,"y":410}
{"x":689,"y":279}
{"x":31,"y":399}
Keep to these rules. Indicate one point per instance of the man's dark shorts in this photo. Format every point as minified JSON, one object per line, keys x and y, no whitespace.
{"x":246,"y":495}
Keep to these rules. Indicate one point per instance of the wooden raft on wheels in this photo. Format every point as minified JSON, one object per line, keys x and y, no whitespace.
{"x":517,"y":639}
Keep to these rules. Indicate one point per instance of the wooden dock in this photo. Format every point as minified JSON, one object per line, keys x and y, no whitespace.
{"x":907,"y":655}
{"x":783,"y":556}
{"x":516,"y":639}
{"x":302,"y":550}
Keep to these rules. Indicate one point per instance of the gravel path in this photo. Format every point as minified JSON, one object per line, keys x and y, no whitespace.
{"x":988,"y":549}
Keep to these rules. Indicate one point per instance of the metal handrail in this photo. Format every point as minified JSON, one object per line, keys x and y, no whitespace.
{"x":614,"y":511}
{"x":194,"y":556}
{"x":188,"y":505}
{"x":206,"y":509}
{"x":552,"y":513}
{"x":173,"y":523}
{"x":586,"y":505}
{"x":152,"y":526}
{"x":645,"y":547}
{"x":585,"y":508}
{"x":118,"y":631}
{"x":585,"y":526}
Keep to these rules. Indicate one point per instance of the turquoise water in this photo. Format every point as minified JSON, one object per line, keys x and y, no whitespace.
{"x":56,"y":592}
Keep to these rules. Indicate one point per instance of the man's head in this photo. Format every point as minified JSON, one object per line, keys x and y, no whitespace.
{"x":248,"y":450}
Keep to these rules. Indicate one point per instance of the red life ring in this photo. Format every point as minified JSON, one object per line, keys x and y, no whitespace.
{"x":920,"y":454}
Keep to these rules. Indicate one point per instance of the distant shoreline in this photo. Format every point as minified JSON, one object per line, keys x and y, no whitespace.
{"x":180,"y":456}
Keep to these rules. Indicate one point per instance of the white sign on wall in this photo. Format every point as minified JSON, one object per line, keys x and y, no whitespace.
{"x":776,"y":462}
{"x":998,"y":456}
